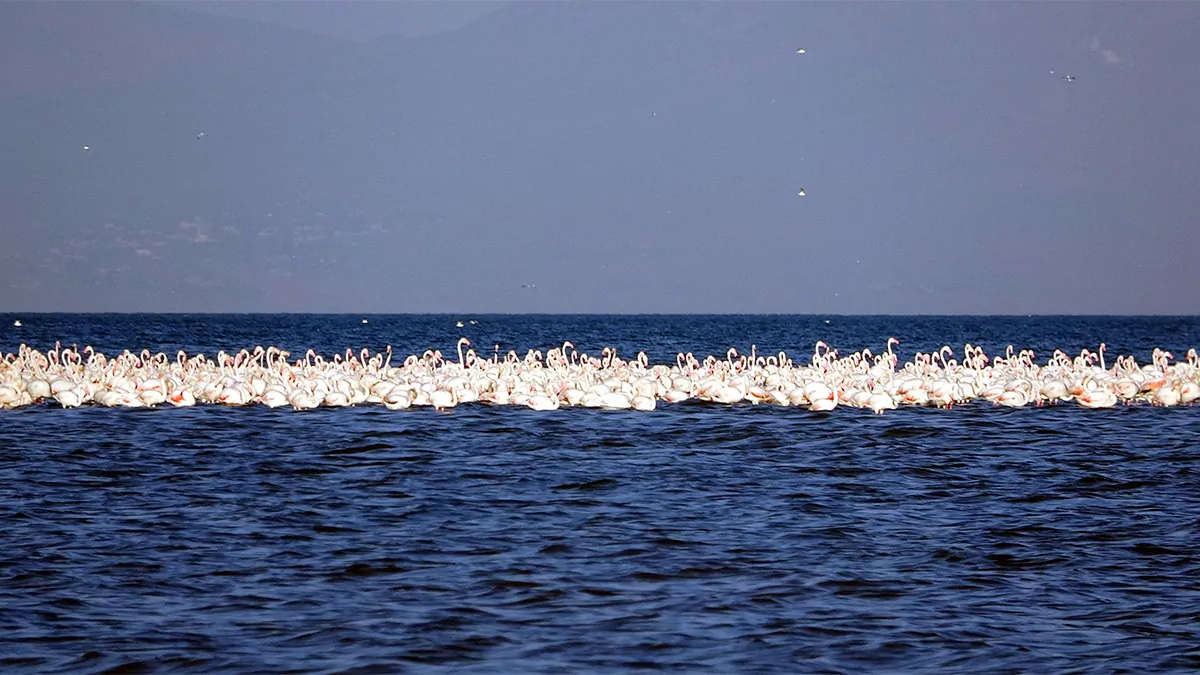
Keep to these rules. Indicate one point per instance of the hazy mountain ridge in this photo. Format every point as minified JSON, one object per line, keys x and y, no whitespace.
{"x":51,"y":46}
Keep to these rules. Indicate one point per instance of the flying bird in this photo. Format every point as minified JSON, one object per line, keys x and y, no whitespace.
{"x":86,"y":148}
{"x":1069,"y":78}
{"x":528,"y":285}
{"x":200,"y":135}
{"x":800,"y":193}
{"x":800,"y":51}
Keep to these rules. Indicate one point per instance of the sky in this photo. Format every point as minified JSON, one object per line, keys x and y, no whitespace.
{"x":600,"y":157}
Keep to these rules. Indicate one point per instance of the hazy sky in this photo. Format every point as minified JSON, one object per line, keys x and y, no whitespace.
{"x":621,"y":157}
{"x":353,"y":20}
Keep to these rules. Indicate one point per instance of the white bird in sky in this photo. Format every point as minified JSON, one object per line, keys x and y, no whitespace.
{"x":800,"y":51}
{"x":800,"y":193}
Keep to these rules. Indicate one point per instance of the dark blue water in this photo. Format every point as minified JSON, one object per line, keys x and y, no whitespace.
{"x":695,"y":538}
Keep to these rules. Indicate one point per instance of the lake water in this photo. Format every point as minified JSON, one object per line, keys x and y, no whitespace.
{"x":694,"y":538}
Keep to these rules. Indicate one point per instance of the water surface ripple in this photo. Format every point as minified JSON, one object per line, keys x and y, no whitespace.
{"x":696,"y":538}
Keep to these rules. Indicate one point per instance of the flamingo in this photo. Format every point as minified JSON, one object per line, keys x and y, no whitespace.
{"x":1013,"y":398}
{"x":880,"y":401}
{"x":542,"y":402}
{"x":564,"y":377}
{"x":442,"y":399}
{"x":1167,"y":396}
{"x":1095,"y":396}
{"x":822,"y":402}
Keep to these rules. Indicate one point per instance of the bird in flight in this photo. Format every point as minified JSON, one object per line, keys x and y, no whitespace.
{"x":1069,"y":78}
{"x":800,"y":193}
{"x":528,"y":285}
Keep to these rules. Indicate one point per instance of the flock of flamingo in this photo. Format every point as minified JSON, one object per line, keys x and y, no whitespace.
{"x":563,"y":377}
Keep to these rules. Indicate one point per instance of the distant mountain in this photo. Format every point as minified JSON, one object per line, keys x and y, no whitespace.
{"x":52,"y":46}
